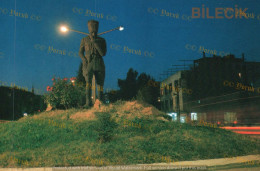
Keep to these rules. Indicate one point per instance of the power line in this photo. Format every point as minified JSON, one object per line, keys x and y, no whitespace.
{"x":226,"y":101}
{"x":211,"y":97}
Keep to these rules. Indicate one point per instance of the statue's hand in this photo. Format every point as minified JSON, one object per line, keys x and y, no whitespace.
{"x":92,"y":37}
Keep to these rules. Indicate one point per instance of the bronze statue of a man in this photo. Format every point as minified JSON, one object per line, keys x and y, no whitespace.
{"x":93,"y":63}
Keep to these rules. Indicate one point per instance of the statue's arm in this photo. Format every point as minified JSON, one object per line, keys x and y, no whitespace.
{"x":82,"y":50}
{"x":101,"y":46}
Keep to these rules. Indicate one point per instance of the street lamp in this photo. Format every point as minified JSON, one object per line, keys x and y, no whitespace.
{"x":121,"y":28}
{"x":65,"y":29}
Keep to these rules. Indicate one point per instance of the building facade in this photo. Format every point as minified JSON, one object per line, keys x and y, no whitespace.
{"x":173,"y":94}
{"x":223,"y":90}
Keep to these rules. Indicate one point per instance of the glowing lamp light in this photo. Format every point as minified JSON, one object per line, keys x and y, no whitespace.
{"x":73,"y":79}
{"x":64,"y":29}
{"x":121,"y":28}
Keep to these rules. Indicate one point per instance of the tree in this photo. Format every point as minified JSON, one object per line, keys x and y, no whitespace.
{"x":142,"y":80}
{"x":128,"y":87}
{"x":138,"y":87}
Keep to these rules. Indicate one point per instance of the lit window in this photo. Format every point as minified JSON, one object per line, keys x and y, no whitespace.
{"x":173,"y":115}
{"x":194,"y":116}
{"x":182,"y":118}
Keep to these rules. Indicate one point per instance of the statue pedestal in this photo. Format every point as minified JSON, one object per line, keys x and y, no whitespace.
{"x":97,"y":104}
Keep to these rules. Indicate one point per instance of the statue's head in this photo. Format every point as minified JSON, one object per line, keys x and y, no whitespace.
{"x":93,"y":27}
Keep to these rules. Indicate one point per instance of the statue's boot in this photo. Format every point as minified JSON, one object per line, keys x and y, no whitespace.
{"x":88,"y":97}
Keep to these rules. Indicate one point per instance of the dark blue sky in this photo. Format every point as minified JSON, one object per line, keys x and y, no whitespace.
{"x":23,"y":62}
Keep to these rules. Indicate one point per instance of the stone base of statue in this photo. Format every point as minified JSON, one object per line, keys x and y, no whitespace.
{"x":97,"y":104}
{"x":49,"y":107}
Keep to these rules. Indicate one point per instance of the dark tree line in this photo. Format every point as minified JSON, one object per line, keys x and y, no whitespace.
{"x":15,"y":102}
{"x":135,"y":86}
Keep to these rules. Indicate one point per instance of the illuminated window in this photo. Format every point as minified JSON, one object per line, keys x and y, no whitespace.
{"x":182,"y":118}
{"x":173,"y":115}
{"x":194,"y":116}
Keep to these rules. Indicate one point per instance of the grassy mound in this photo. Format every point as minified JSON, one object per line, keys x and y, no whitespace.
{"x":70,"y":138}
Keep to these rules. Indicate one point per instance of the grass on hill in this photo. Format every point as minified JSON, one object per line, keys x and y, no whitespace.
{"x":54,"y":139}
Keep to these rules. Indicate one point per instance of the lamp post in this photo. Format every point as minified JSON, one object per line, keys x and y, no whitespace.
{"x":65,"y":29}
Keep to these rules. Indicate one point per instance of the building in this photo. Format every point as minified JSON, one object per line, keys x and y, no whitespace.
{"x":223,"y":90}
{"x":173,"y":95}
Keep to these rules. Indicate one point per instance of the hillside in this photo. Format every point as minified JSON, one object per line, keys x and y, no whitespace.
{"x":141,"y":135}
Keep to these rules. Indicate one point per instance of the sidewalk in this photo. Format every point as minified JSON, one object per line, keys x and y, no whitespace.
{"x":189,"y":165}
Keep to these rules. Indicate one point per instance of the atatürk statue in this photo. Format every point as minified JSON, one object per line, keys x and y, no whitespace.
{"x":93,"y":63}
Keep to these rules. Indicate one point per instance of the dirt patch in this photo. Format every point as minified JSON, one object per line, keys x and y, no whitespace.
{"x":3,"y":121}
{"x":49,"y":114}
{"x":127,"y":109}
{"x":134,"y":109}
{"x":85,"y":115}
{"x":90,"y":113}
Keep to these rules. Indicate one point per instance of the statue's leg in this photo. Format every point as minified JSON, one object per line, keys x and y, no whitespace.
{"x":89,"y":77}
{"x":100,"y":78}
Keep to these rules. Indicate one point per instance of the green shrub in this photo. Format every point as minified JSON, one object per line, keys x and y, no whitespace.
{"x":65,"y":95}
{"x":105,"y":126}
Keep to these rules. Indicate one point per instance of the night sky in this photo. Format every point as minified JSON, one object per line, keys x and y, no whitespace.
{"x":25,"y":58}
